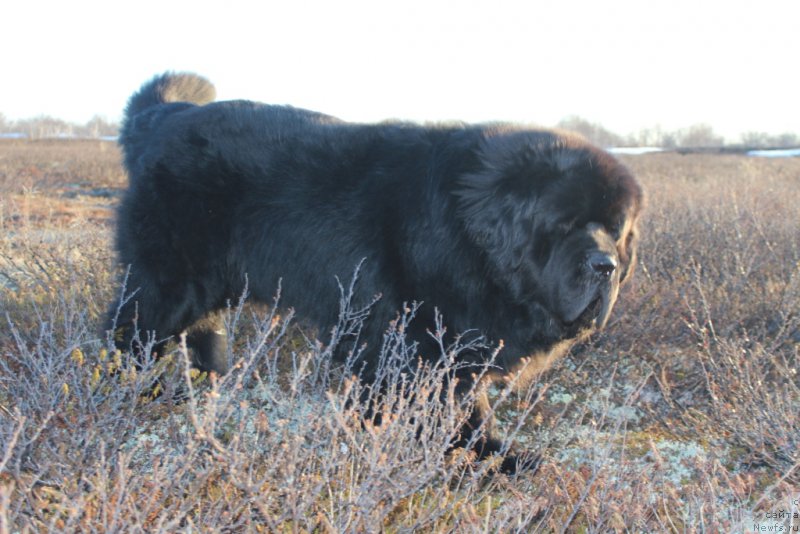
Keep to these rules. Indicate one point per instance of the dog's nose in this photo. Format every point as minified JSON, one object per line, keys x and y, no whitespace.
{"x":602,"y":264}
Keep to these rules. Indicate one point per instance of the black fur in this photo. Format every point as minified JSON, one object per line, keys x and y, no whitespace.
{"x":522,"y":234}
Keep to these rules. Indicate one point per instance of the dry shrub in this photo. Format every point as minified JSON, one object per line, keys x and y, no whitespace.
{"x":286,"y":440}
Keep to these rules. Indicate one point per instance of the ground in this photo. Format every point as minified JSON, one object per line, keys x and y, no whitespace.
{"x":683,"y":415}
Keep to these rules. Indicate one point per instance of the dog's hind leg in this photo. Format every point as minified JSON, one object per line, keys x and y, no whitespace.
{"x":168,"y":310}
{"x":209,"y":342}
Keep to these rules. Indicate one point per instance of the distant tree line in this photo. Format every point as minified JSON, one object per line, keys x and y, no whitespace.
{"x":45,"y":126}
{"x":696,"y":136}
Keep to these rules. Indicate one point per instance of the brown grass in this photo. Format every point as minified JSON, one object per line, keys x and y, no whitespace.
{"x":684,"y":416}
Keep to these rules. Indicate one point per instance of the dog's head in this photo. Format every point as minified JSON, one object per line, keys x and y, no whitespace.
{"x":556,"y":220}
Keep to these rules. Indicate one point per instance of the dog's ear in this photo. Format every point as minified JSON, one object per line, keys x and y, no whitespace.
{"x":500,"y":203}
{"x":500,"y":222}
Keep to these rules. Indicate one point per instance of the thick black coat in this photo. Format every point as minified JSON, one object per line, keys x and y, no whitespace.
{"x":521,"y":234}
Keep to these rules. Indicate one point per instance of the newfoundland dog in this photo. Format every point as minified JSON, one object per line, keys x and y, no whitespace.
{"x":523,"y":235}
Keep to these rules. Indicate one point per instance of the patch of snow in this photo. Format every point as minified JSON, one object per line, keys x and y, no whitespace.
{"x":634,"y":150}
{"x":21,"y":135}
{"x":777,"y":153}
{"x":561,"y":398}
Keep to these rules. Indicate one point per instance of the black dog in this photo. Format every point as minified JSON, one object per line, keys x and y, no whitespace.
{"x":522,"y":234}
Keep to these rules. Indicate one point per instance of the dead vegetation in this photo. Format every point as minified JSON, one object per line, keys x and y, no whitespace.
{"x":684,"y":416}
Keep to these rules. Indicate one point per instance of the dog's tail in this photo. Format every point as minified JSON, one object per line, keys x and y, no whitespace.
{"x":156,"y":100}
{"x":170,"y":87}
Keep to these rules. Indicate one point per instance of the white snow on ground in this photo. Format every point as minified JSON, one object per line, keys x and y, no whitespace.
{"x":20,"y":135}
{"x":781,"y":153}
{"x":640,"y":150}
{"x":634,"y":150}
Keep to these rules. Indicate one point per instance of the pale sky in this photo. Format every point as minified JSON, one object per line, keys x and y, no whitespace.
{"x":627,"y":64}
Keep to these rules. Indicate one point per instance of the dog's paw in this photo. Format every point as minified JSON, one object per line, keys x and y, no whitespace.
{"x":522,"y":462}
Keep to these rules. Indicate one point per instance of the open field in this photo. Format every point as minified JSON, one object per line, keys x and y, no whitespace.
{"x":683,"y":416}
